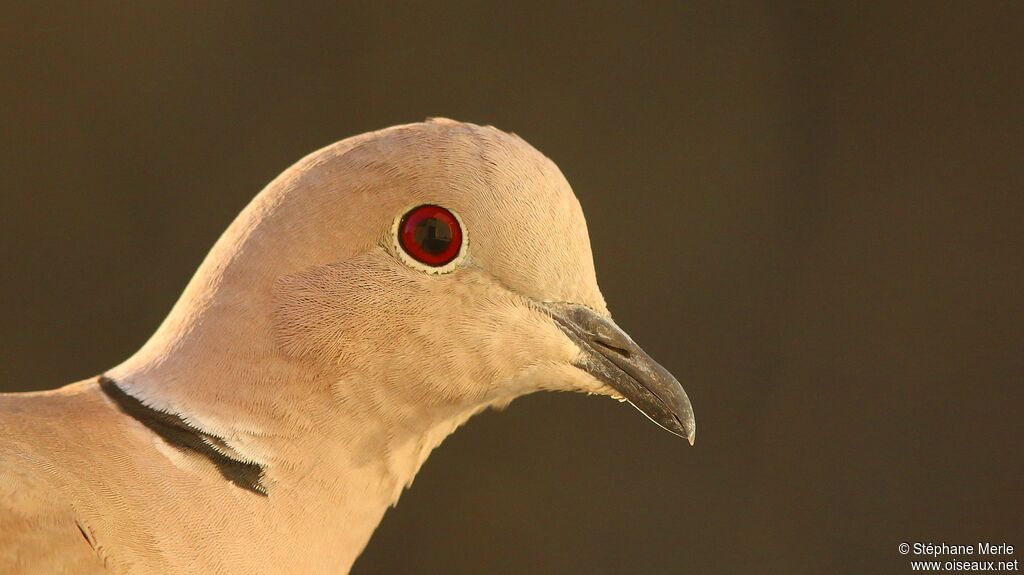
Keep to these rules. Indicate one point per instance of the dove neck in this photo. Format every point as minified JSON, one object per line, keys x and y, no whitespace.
{"x":334,"y":449}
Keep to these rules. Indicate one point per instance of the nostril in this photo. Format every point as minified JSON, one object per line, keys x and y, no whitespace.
{"x":608,"y":346}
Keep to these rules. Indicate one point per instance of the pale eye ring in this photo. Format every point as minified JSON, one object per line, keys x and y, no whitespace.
{"x":431,"y":236}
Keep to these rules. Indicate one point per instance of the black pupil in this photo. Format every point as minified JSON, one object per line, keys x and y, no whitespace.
{"x":433,"y":235}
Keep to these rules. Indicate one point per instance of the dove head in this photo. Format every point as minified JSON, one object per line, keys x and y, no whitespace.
{"x":432,"y":266}
{"x":425,"y":253}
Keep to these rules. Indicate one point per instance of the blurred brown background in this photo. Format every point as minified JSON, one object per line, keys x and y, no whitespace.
{"x":812,"y":215}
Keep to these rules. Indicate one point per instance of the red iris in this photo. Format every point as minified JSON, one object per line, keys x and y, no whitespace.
{"x":431,"y":235}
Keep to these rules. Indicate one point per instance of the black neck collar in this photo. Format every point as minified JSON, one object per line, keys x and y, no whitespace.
{"x":174,"y":430}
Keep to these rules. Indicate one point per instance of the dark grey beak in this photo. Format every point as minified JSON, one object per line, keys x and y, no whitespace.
{"x":611,"y":356}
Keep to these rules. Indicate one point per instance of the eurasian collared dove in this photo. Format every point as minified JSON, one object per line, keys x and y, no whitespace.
{"x":367,"y":302}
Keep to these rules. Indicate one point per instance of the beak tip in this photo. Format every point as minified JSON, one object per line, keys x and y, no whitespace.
{"x":686,"y":430}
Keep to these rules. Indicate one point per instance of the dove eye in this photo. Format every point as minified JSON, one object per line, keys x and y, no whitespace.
{"x":430,"y":235}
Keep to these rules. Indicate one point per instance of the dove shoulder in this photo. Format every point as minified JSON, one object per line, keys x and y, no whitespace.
{"x":39,"y":529}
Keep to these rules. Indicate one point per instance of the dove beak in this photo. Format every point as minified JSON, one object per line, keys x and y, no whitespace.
{"x":611,"y":356}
